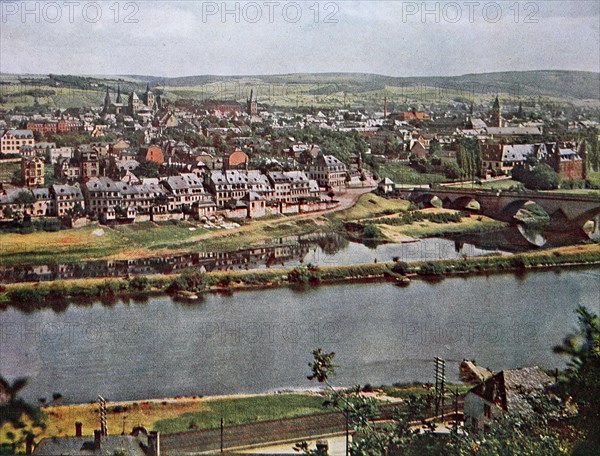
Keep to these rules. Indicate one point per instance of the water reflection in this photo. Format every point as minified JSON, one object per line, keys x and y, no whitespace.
{"x":329,"y":249}
{"x":323,"y":250}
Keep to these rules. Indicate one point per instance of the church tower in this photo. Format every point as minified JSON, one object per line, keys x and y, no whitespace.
{"x":496,"y":118}
{"x":106,"y":106}
{"x":149,"y":97}
{"x":118,"y":100}
{"x":133,"y":104}
{"x":251,"y":106}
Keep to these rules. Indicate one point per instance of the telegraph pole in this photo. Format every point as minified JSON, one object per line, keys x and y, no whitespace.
{"x":102,"y":412}
{"x":440,"y":383}
{"x":221,"y":435}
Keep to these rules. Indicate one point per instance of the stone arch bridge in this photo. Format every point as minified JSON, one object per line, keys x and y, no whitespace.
{"x":566,"y":211}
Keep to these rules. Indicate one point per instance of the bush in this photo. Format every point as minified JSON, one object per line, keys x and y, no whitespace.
{"x":540,"y":177}
{"x":28,"y":297}
{"x":190,"y":280}
{"x":139,"y":283}
{"x":432,"y":269}
{"x":303,"y":275}
{"x":371,"y":232}
{"x":401,"y":267}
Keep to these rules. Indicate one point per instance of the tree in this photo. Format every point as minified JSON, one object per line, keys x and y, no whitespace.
{"x":147,"y":168}
{"x":15,"y":409}
{"x":531,"y":430}
{"x":453,"y":171}
{"x":581,"y":381}
{"x":24,"y":198}
{"x":537,"y":176}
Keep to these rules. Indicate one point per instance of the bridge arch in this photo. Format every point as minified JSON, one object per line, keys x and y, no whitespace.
{"x":466,"y":203}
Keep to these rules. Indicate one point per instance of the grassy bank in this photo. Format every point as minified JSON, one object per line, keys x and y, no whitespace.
{"x":58,"y":295}
{"x":370,"y":205}
{"x":181,"y":414}
{"x":243,"y":410}
{"x":142,"y":240}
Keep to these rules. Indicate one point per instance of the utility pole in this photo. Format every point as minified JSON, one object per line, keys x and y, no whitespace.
{"x":221,"y":435}
{"x":440,"y":382}
{"x":455,"y":393}
{"x":347,"y":413}
{"x":102,"y":412}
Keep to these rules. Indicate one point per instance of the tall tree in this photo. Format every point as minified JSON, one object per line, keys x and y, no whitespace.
{"x":15,"y":409}
{"x":582,"y":377}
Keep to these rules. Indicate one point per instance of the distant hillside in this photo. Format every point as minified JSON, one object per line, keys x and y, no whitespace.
{"x":322,"y":90}
{"x":578,"y":85}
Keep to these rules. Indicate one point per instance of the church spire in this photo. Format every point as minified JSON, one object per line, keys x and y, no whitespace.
{"x":118,"y":100}
{"x":496,"y":113}
{"x":106,"y":106}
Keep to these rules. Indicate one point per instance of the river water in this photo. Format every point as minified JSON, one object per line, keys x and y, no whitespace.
{"x":257,"y":341}
{"x":323,"y":250}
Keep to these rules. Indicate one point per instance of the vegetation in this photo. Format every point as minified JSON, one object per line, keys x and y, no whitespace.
{"x":469,"y":158}
{"x":536,"y":176}
{"x":17,"y":417}
{"x":517,"y":432}
{"x":404,"y":174}
{"x":30,"y":297}
{"x":242,"y":410}
{"x":581,"y":380}
{"x":370,"y":205}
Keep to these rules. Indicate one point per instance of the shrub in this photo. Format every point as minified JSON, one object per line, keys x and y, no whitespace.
{"x":371,"y":232}
{"x":401,"y":267}
{"x":139,"y":283}
{"x":190,"y":280}
{"x":432,"y":269}
{"x":305,"y":274}
{"x":28,"y":297}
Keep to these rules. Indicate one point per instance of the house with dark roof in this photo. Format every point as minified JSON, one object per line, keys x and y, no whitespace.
{"x":139,"y":443}
{"x":328,"y":171}
{"x":507,"y":391}
{"x":65,"y":198}
{"x":102,"y":196}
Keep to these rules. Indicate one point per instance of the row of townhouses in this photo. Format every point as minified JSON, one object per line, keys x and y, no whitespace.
{"x":248,"y":191}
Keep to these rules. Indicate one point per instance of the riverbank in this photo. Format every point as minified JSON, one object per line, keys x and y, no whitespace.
{"x":148,"y":239}
{"x":183,"y":414}
{"x":191,"y":284}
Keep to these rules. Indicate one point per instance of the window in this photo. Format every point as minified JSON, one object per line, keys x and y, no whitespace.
{"x":487,"y":410}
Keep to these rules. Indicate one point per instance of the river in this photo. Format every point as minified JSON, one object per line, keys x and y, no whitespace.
{"x":258,"y":341}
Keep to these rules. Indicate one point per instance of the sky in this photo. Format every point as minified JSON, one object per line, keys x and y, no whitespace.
{"x":396,"y":38}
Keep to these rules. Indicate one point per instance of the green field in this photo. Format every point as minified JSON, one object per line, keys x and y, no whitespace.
{"x":243,"y":410}
{"x":156,"y":236}
{"x":370,"y":205}
{"x":94,"y":242}
{"x":401,"y":173}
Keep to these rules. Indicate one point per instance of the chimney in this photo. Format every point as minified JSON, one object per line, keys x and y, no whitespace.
{"x":78,"y":427}
{"x":97,"y":438}
{"x":385,"y":107}
{"x":29,"y":444}
{"x":153,"y":443}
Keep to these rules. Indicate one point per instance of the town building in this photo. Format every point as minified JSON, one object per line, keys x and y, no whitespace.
{"x":45,"y":126}
{"x":11,"y":141}
{"x":103,"y":196}
{"x":506,"y":391}
{"x":567,"y":162}
{"x":90,"y":165}
{"x":139,"y":443}
{"x":328,"y":171}
{"x":236,"y":160}
{"x":32,"y":172}
{"x":66,"y":199}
